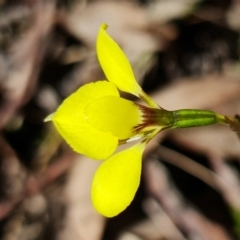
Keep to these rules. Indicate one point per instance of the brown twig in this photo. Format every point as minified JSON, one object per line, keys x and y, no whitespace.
{"x":30,"y":184}
{"x":23,"y":58}
{"x":183,"y":162}
{"x":185,"y":217}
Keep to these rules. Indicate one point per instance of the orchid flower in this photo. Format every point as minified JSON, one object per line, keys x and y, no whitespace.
{"x":95,"y":120}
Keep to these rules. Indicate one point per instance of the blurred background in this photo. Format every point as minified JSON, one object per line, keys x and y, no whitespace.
{"x":185,"y":54}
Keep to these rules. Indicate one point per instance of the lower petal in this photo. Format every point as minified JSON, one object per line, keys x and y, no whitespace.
{"x":116,"y":181}
{"x":71,"y":122}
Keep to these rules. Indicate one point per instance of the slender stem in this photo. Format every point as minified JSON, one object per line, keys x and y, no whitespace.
{"x":191,"y":118}
{"x":183,"y":118}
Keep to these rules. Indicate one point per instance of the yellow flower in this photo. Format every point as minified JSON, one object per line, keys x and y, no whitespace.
{"x":96,"y":119}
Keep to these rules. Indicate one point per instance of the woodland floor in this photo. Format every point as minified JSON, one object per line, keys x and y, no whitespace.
{"x":185,"y":54}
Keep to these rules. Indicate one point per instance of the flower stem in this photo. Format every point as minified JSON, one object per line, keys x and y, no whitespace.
{"x":192,"y":118}
{"x":183,"y":118}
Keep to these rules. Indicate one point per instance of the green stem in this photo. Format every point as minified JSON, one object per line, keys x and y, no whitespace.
{"x":192,"y":118}
{"x":184,"y":118}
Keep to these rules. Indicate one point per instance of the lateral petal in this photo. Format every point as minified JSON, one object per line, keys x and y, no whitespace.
{"x":116,"y":181}
{"x":115,"y":63}
{"x":71,"y":122}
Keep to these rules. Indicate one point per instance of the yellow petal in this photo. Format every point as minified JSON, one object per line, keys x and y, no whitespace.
{"x":71,"y":122}
{"x":114,"y":114}
{"x":116,"y":181}
{"x":115,"y":64}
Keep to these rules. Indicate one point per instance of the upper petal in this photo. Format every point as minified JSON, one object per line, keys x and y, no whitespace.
{"x":115,"y":64}
{"x":114,"y":114}
{"x":71,"y":122}
{"x":116,"y":181}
